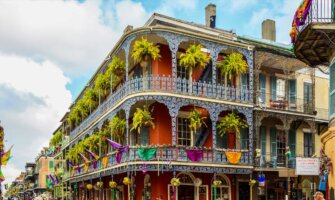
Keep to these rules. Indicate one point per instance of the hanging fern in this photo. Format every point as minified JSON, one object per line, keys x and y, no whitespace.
{"x":56,"y":139}
{"x":102,"y":84}
{"x":118,"y":128}
{"x":196,"y":121}
{"x":142,"y":118}
{"x":233,"y":65}
{"x":194,"y":58}
{"x":143,"y":48}
{"x":91,"y":98}
{"x":231,"y":123}
{"x":116,"y":67}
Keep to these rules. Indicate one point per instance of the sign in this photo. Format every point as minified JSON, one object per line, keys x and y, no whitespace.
{"x":307,"y":166}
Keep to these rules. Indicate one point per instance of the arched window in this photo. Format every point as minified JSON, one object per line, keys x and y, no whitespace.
{"x":223,"y":192}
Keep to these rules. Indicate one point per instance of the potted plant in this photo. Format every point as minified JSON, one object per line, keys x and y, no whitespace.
{"x":196,"y":120}
{"x":56,"y":139}
{"x":143,"y":51}
{"x":231,"y":123}
{"x":233,"y":65}
{"x":116,"y":67}
{"x":118,"y":128}
{"x":142,"y":118}
{"x":194,"y":59}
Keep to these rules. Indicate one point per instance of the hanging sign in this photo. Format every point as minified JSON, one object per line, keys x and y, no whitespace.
{"x":307,"y":166}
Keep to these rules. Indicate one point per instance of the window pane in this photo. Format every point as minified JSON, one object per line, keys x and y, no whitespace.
{"x":184,"y":132}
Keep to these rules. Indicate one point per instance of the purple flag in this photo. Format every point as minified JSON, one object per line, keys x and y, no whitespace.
{"x":93,"y":155}
{"x":119,"y":148}
{"x":194,"y":155}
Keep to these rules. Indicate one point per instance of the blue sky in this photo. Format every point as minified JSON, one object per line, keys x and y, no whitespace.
{"x":50,"y":49}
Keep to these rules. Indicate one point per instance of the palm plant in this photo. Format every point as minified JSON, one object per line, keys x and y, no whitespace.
{"x":143,"y":50}
{"x":102,"y":85}
{"x":233,"y":65}
{"x":91,"y":98}
{"x":74,"y":117}
{"x":118,"y":128}
{"x":196,"y":120}
{"x":116,"y":67}
{"x":194,"y":59}
{"x":83,"y":107}
{"x":231,"y":123}
{"x":142,"y":118}
{"x":56,"y":139}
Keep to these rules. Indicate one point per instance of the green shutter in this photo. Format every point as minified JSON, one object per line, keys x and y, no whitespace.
{"x":273,"y":88}
{"x":51,"y":165}
{"x":263,"y":140}
{"x":221,"y":141}
{"x":145,"y":136}
{"x":292,"y":141}
{"x":292,"y":91}
{"x":332,"y":90}
{"x":307,"y":97}
{"x":244,"y":81}
{"x":262,"y":85}
{"x":244,"y":137}
{"x":273,"y":141}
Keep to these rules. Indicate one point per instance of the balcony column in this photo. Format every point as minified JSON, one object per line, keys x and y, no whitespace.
{"x":215,"y":50}
{"x":126,"y":47}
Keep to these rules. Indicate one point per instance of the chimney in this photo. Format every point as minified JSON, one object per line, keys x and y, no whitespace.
{"x":128,"y":28}
{"x":210,"y":15}
{"x":269,"y":30}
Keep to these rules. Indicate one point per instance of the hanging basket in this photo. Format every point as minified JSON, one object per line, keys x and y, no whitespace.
{"x":126,"y":181}
{"x":233,"y":157}
{"x":175,"y":182}
{"x":112,"y":184}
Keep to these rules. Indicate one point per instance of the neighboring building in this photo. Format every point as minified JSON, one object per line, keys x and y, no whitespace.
{"x":29,"y":180}
{"x":16,"y":187}
{"x":44,"y":167}
{"x":312,"y":33}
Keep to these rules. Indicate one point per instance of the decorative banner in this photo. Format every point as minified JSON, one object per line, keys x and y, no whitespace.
{"x":93,"y":155}
{"x":95,"y":164}
{"x":194,"y":155}
{"x":307,"y":166}
{"x":119,"y":148}
{"x":233,"y":157}
{"x":105,"y":161}
{"x":146,"y":153}
{"x":6,"y":156}
{"x":300,"y":17}
{"x":86,"y":167}
{"x":86,"y":160}
{"x":51,"y":179}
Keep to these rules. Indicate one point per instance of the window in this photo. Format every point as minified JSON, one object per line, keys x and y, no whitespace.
{"x":278,"y":145}
{"x":244,"y":138}
{"x":332,"y":90}
{"x":308,"y":145}
{"x":182,"y":72}
{"x":51,"y":165}
{"x":184,"y":131}
{"x":262,"y":87}
{"x":220,"y":78}
{"x":280,"y":89}
{"x":308,"y":97}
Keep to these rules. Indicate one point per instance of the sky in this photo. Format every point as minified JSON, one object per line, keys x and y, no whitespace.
{"x":50,"y":49}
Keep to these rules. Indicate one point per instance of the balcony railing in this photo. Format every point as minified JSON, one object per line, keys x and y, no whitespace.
{"x":286,"y":103}
{"x":166,"y":85}
{"x":321,"y":11}
{"x":168,"y":154}
{"x":268,"y":161}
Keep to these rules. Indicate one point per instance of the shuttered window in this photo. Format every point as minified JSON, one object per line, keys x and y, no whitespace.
{"x":262,"y":84}
{"x":292,"y":91}
{"x":263,"y":140}
{"x":244,"y":138}
{"x":273,"y":142}
{"x":273,"y":88}
{"x":332,"y":90}
{"x":145,"y":136}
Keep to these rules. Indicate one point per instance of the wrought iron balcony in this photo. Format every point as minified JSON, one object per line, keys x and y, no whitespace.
{"x":321,"y":11}
{"x":168,"y":156}
{"x":274,"y":162}
{"x":165,"y":84}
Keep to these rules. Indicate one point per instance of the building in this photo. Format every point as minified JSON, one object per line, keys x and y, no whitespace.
{"x":16,"y":187}
{"x":169,"y":159}
{"x":29,"y":180}
{"x":312,"y":33}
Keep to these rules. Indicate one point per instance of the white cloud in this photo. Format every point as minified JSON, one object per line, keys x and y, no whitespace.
{"x":33,"y":98}
{"x":11,"y":172}
{"x":170,"y":8}
{"x":282,"y":16}
{"x":69,"y":33}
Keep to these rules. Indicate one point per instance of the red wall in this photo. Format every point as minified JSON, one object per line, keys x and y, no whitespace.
{"x":163,"y":66}
{"x":162,"y":133}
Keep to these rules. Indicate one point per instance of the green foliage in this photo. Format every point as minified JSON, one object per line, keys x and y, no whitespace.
{"x":83,"y":107}
{"x":56,"y":139}
{"x":142,"y":118}
{"x":231,"y":123}
{"x":118,"y":127}
{"x":91,"y":98}
{"x":74,"y":117}
{"x":116,"y":67}
{"x":233,"y":64}
{"x":196,"y":121}
{"x":143,"y":48}
{"x":102,"y":84}
{"x":92,"y":142}
{"x":194,"y":58}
